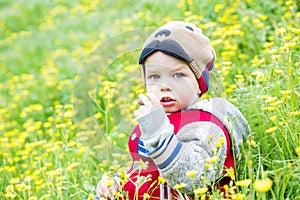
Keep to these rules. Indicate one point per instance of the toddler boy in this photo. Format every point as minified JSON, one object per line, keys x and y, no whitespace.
{"x":178,"y":135}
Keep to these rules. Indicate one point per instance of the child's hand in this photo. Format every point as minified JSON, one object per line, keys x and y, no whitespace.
{"x":147,"y":104}
{"x":153,"y":121}
{"x":106,"y":188}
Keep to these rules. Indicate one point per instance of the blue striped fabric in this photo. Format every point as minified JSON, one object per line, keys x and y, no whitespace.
{"x":171,"y":157}
{"x":142,"y":151}
{"x":162,"y":144}
{"x":164,"y":154}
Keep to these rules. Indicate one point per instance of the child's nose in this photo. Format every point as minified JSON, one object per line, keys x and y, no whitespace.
{"x":165,"y":87}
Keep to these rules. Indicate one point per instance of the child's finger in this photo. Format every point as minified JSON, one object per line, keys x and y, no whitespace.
{"x":154,"y":99}
{"x":146,"y":100}
{"x":140,"y":102}
{"x":137,"y":113}
{"x":104,"y":192}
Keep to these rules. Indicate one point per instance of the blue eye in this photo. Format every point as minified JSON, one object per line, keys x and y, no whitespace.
{"x":154,"y":76}
{"x":178,"y":75}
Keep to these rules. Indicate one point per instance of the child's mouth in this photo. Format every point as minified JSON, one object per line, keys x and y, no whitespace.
{"x":167,"y":101}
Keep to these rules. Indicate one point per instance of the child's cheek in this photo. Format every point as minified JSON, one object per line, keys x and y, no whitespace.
{"x":152,"y":88}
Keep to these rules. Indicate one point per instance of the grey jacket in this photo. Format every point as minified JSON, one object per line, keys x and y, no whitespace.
{"x":196,"y":146}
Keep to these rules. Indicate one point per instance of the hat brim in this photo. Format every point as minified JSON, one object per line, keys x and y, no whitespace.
{"x":167,"y":46}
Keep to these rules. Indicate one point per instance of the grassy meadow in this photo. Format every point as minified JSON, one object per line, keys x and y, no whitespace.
{"x":69,"y":80}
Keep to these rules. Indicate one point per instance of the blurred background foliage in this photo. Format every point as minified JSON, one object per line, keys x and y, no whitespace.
{"x":46,"y":47}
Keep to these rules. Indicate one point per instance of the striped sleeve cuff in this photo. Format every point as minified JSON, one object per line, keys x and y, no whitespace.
{"x":166,"y":152}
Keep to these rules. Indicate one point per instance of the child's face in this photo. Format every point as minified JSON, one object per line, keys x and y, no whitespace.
{"x":171,"y":80}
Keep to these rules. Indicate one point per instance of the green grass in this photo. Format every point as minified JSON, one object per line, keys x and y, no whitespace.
{"x":56,"y":141}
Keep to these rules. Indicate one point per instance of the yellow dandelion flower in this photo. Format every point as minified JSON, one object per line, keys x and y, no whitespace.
{"x":212,"y":159}
{"x":207,"y":165}
{"x":14,"y":180}
{"x":263,"y":185}
{"x":239,"y":76}
{"x":295,"y":113}
{"x":288,"y":38}
{"x":295,"y":31}
{"x":90,"y":197}
{"x":201,"y":191}
{"x":262,"y":61}
{"x":187,"y":13}
{"x":263,"y":17}
{"x":192,"y":173}
{"x":161,"y":179}
{"x":109,"y":182}
{"x":220,"y":142}
{"x":10,"y":196}
{"x":52,"y":173}
{"x":261,"y":25}
{"x":271,"y":51}
{"x":9,"y":189}
{"x":237,"y":196}
{"x":21,"y":187}
{"x":98,"y":115}
{"x":282,"y":49}
{"x":288,"y":15}
{"x":278,"y":71}
{"x":180,"y":186}
{"x":231,"y":173}
{"x":265,"y":97}
{"x":68,"y":114}
{"x":226,"y":187}
{"x":250,"y":162}
{"x":268,"y":44}
{"x":226,"y":63}
{"x":275,"y":57}
{"x":122,"y":135}
{"x":269,"y":99}
{"x":272,"y":129}
{"x":289,"y":3}
{"x":47,"y":196}
{"x":298,"y":151}
{"x":233,"y":100}
{"x":273,"y":118}
{"x":255,"y":20}
{"x":280,"y":31}
{"x":68,"y":106}
{"x":290,"y":44}
{"x":146,"y":196}
{"x":243,"y":183}
{"x":280,"y":123}
{"x":60,"y":126}
{"x":32,"y":198}
{"x":251,"y":143}
{"x":72,"y":166}
{"x":60,"y":189}
{"x":58,"y":107}
{"x":268,"y":108}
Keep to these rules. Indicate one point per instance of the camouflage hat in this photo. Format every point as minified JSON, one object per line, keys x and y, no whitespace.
{"x":186,"y":42}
